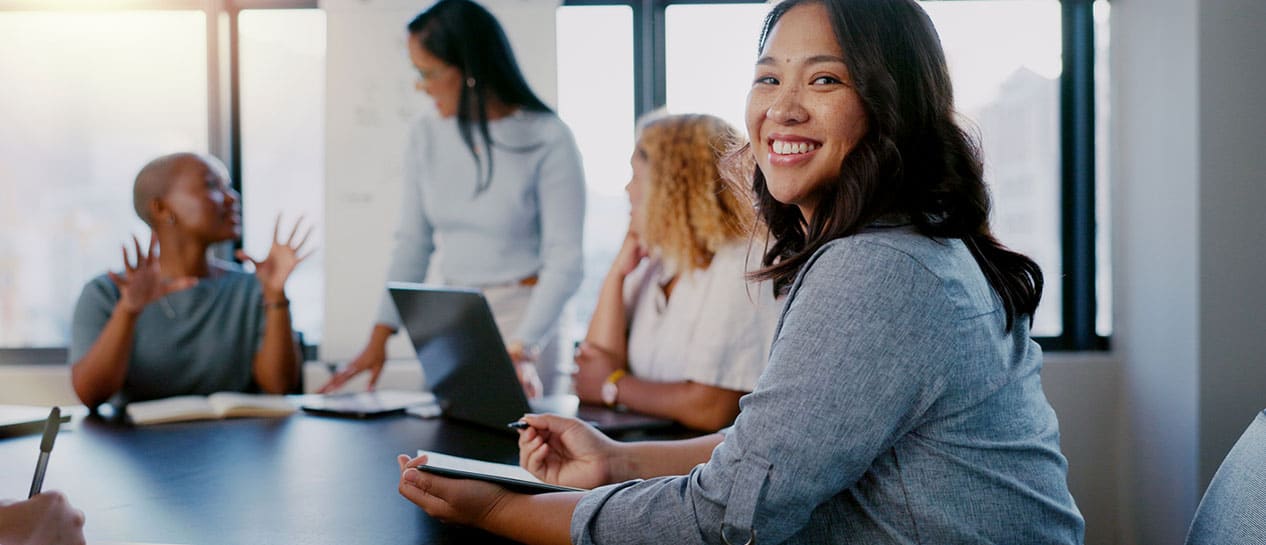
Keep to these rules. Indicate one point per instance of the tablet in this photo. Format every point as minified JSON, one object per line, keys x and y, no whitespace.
{"x":374,"y":404}
{"x":509,"y":476}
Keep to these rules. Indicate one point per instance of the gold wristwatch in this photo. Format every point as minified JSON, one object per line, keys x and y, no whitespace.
{"x":610,"y":390}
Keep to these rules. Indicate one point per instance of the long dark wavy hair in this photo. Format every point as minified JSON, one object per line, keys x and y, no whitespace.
{"x":914,"y":160}
{"x":465,"y":35}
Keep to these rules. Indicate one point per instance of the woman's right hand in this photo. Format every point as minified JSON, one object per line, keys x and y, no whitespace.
{"x":567,"y":451}
{"x":631,"y":253}
{"x":143,"y":283}
{"x":370,"y":359}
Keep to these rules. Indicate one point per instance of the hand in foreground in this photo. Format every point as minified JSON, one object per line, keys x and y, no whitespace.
{"x":143,"y":283}
{"x":461,"y":501}
{"x":282,"y":259}
{"x":567,"y":451}
{"x":45,"y":519}
{"x":593,"y":366}
{"x":370,"y":359}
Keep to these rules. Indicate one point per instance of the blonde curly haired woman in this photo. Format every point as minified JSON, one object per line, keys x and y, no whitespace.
{"x":678,"y":332}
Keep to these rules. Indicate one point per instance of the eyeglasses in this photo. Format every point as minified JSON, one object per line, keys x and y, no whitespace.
{"x":430,"y":75}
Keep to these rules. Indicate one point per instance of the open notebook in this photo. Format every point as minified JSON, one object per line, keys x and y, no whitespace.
{"x":214,"y":406}
{"x":509,"y":476}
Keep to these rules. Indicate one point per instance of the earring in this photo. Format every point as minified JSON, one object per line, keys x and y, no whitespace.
{"x":470,"y":82}
{"x":171,"y":220}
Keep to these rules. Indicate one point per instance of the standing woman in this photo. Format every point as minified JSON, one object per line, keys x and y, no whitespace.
{"x":175,"y":322}
{"x":903,"y":401}
{"x":495,"y":184}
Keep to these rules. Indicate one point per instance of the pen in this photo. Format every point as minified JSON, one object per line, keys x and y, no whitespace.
{"x":523,"y":425}
{"x":46,"y":447}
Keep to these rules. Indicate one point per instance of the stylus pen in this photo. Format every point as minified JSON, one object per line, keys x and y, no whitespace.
{"x":46,"y":448}
{"x":523,"y":425}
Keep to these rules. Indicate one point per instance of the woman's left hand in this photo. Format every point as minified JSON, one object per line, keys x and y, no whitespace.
{"x":524,"y":359}
{"x":461,"y":501}
{"x":593,"y":366}
{"x":282,"y":259}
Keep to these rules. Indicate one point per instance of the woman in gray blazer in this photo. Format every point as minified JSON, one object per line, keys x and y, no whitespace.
{"x":902,"y":402}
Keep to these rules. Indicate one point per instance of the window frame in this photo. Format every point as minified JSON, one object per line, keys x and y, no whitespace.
{"x":1077,"y":148}
{"x":224,"y":123}
{"x":1076,"y":106}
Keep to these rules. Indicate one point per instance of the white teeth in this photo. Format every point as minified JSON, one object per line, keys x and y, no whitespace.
{"x":792,"y":148}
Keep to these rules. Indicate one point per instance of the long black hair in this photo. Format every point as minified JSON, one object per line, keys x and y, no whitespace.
{"x":914,"y":160}
{"x":465,"y":35}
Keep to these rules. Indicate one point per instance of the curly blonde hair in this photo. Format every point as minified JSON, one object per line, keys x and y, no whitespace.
{"x":692,"y":210}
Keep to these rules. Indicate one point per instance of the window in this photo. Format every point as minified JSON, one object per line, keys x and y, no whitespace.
{"x":595,"y":59}
{"x":1010,"y":95}
{"x":283,"y":143}
{"x":1103,"y":228}
{"x":1024,"y":83}
{"x":97,"y":100}
{"x":710,"y":50}
{"x":107,"y":89}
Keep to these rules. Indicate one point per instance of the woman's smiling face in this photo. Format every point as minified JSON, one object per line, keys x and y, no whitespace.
{"x":803,"y":115}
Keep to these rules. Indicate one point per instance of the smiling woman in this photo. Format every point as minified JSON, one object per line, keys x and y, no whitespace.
{"x":904,"y":337}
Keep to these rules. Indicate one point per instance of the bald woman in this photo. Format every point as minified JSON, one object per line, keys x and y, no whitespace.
{"x":173,"y":321}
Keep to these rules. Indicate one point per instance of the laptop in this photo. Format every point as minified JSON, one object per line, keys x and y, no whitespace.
{"x":468,"y":369}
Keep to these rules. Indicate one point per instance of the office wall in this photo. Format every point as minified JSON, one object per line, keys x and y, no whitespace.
{"x":1155,"y":201}
{"x":1187,"y":191}
{"x":1232,"y":76}
{"x":43,"y":385}
{"x":1084,"y":389}
{"x":370,"y":100}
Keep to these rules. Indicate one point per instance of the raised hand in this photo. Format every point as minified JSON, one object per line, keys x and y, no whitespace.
{"x":282,"y":259}
{"x":567,"y":451}
{"x":142,"y":283}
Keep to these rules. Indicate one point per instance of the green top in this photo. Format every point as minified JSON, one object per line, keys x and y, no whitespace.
{"x":197,"y":341}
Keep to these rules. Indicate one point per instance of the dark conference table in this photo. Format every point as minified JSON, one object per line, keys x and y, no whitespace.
{"x":302,"y":479}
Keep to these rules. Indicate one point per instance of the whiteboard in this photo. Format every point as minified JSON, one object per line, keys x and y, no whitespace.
{"x":370,"y":103}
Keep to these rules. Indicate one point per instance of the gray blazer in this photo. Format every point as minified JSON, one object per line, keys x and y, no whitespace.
{"x":894,"y":409}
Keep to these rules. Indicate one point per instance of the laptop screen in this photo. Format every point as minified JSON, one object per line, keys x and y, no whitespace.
{"x":466,"y":365}
{"x":463,"y":357}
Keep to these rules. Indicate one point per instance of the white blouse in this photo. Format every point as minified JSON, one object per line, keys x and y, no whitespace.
{"x":715,"y":329}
